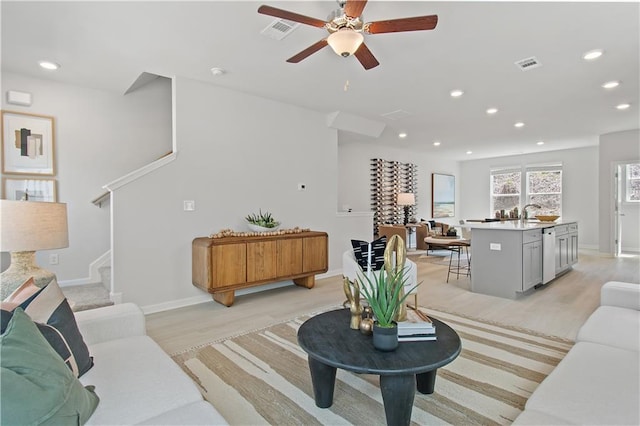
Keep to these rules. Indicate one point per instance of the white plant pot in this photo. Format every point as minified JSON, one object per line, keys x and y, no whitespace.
{"x":258,"y":228}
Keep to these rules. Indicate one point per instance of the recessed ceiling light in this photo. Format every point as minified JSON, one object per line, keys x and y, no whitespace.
{"x":402,"y":135}
{"x":540,"y":143}
{"x":469,"y":152}
{"x":519,"y":124}
{"x":623,"y":106}
{"x":492,"y":110}
{"x":48,"y":65}
{"x":611,"y":84}
{"x":436,"y":143}
{"x":592,"y":54}
{"x":456,"y":93}
{"x":217,"y":71}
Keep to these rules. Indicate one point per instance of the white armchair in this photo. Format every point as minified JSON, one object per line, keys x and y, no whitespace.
{"x":351,"y":270}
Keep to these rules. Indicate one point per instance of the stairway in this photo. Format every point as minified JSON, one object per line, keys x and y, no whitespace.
{"x":90,"y":296}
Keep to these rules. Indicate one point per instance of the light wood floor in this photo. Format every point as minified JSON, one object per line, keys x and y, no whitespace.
{"x":559,"y":308}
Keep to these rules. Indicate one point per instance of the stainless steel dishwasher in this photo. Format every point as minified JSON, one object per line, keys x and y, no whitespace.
{"x":548,"y":254}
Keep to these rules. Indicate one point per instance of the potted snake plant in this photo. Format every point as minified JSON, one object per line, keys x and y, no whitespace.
{"x":384,"y":294}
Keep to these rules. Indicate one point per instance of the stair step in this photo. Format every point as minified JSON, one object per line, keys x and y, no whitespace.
{"x":87,"y":296}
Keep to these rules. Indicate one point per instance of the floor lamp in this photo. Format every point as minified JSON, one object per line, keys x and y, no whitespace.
{"x":28,"y":226}
{"x":406,"y":199}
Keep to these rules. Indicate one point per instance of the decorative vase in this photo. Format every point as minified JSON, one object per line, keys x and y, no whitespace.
{"x":385,"y":339}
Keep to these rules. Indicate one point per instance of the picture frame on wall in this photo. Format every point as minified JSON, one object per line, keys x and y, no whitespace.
{"x":32,"y":189}
{"x":443,"y":195}
{"x":28,"y":144}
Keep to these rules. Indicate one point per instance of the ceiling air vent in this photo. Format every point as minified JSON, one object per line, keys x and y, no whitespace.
{"x":396,"y":115}
{"x":279,"y":29}
{"x":528,"y":64}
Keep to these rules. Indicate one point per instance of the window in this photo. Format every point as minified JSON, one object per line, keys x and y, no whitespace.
{"x":505,"y":189}
{"x":632,"y":187}
{"x":544,"y":187}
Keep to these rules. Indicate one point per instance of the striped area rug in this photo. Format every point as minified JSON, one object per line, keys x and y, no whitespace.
{"x":262,"y":377}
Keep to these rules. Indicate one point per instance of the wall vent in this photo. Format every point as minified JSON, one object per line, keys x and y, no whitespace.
{"x":279,"y":29}
{"x":528,"y":64}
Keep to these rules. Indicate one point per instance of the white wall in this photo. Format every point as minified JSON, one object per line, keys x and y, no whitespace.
{"x":99,"y":136}
{"x":579,"y":187}
{"x":236,"y":154}
{"x":354,"y":170}
{"x":614,"y":148}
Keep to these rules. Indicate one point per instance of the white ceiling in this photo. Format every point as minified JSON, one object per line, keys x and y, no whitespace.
{"x":107,"y":45}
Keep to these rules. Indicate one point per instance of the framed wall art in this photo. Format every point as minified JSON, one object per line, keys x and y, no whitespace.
{"x":28,"y":145}
{"x":32,"y":189}
{"x":443,"y":195}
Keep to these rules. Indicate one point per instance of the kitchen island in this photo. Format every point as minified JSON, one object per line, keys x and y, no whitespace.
{"x":510,"y":258}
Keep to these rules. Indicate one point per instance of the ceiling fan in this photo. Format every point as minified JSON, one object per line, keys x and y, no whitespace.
{"x":346,"y":28}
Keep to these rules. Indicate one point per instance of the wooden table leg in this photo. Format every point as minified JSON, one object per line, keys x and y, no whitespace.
{"x":226,"y":298}
{"x":426,"y":381}
{"x":398,"y":393}
{"x":323,"y":378}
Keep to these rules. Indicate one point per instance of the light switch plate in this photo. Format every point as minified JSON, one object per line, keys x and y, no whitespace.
{"x":495,"y":246}
{"x":189,"y":205}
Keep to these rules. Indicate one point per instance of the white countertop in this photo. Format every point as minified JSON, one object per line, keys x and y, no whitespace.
{"x":516,"y":225}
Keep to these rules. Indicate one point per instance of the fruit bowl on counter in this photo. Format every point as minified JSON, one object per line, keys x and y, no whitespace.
{"x":547,"y":218}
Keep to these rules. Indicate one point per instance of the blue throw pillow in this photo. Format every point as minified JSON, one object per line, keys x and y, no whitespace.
{"x":361,"y":253}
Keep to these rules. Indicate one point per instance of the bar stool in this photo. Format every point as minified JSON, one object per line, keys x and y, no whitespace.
{"x":459,"y":268}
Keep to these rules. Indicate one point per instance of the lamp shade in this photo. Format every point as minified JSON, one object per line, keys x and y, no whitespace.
{"x":32,"y":226}
{"x":345,"y":41}
{"x":406,"y":199}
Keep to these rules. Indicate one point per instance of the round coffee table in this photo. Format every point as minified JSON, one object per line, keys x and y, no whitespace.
{"x":331,"y":344}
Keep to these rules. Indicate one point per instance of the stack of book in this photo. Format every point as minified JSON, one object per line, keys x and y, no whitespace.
{"x":417,"y":327}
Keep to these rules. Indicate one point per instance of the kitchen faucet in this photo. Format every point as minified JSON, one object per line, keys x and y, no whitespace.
{"x":524,"y":210}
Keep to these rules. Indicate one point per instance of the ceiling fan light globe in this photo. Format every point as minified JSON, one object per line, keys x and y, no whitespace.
{"x":345,"y":41}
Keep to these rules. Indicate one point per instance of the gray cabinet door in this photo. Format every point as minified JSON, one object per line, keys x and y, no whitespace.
{"x":531,"y":265}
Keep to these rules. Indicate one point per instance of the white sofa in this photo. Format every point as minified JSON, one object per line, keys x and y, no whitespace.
{"x":598,"y":382}
{"x":137,"y":382}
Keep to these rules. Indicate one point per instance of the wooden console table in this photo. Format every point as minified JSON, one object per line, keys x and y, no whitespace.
{"x":222,"y":265}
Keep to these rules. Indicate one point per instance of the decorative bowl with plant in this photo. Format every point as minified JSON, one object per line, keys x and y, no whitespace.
{"x":262,"y":222}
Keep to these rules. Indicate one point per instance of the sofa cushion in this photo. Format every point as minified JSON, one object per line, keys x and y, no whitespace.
{"x":141,"y":381}
{"x":593,"y":384}
{"x":35,"y":384}
{"x":48,"y":306}
{"x":612,"y":326}
{"x":538,"y":418}
{"x":197,"y":413}
{"x":361,"y":253}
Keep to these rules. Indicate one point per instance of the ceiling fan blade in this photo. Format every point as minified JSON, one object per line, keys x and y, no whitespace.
{"x":354,"y":8}
{"x":291,"y":16}
{"x":417,"y":23}
{"x":366,"y":58}
{"x":308,"y":51}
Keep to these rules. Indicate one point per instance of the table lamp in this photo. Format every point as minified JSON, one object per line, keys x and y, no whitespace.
{"x":27,"y":226}
{"x":406,"y":199}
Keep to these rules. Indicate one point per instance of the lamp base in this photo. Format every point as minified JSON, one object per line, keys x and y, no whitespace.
{"x":23,"y":266}
{"x":406,"y":214}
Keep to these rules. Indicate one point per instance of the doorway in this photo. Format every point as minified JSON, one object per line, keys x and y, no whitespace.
{"x":626,"y":211}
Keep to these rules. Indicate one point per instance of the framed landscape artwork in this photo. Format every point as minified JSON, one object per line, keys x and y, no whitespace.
{"x":27,"y":144}
{"x":32,"y":189}
{"x":443,"y":195}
